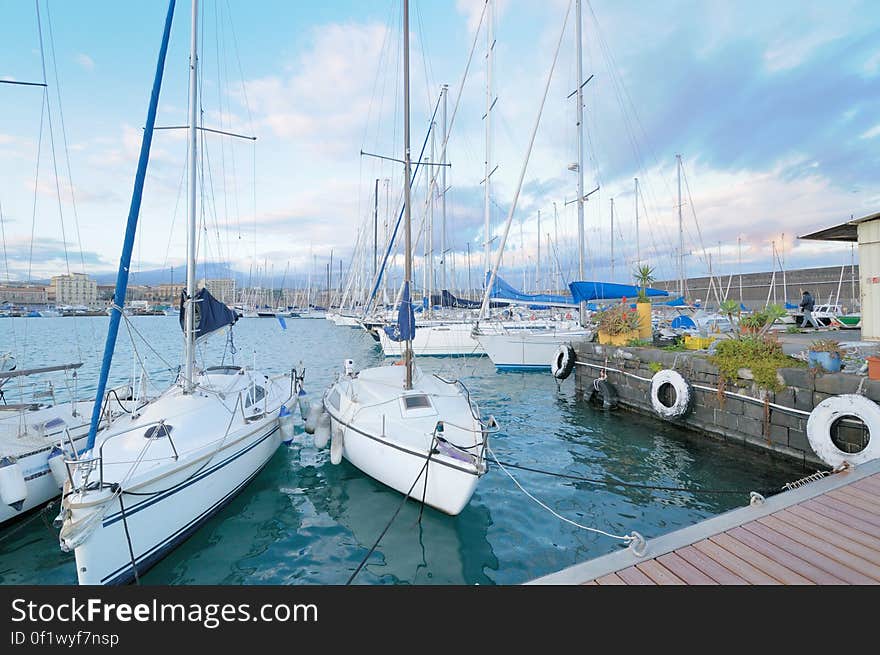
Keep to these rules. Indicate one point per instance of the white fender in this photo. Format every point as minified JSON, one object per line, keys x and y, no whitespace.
{"x":322,"y":430}
{"x":57,"y":466}
{"x":682,"y":402}
{"x":13,"y":489}
{"x":336,"y":444}
{"x":830,"y":410}
{"x":315,"y":409}
{"x":302,"y":399}
{"x":285,"y":424}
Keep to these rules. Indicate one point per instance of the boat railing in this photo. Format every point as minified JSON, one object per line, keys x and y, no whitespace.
{"x":88,"y":464}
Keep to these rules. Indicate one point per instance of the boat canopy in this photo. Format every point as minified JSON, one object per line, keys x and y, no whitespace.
{"x":210,"y":314}
{"x":587,"y":291}
{"x":501,"y":290}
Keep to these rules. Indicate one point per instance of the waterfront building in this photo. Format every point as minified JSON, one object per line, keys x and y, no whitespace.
{"x":74,"y":289}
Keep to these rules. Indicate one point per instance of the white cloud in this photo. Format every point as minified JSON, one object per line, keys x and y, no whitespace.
{"x":85,"y":61}
{"x":870,"y":134}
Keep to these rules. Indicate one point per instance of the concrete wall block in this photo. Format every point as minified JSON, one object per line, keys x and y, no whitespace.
{"x":750,"y":427}
{"x":705,"y":415}
{"x":798,"y":377}
{"x":837,"y":383}
{"x":779,"y":435}
{"x":871,"y":389}
{"x":818,"y":397}
{"x":786,"y":397}
{"x":778,"y":417}
{"x":797,"y":439}
{"x":703,"y":365}
{"x":803,"y":399}
{"x":725,"y":420}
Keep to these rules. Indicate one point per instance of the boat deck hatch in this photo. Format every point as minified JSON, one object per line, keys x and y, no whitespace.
{"x":158,"y":431}
{"x":416,"y":402}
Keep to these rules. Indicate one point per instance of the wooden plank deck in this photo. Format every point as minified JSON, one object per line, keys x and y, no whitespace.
{"x":826,"y":532}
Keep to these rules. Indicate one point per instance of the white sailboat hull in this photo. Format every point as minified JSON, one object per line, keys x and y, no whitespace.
{"x":528,"y":349}
{"x":396,"y":447}
{"x":436,"y":341}
{"x":158,"y":522}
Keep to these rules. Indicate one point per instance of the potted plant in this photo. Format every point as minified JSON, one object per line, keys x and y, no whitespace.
{"x":825,"y":353}
{"x":617,"y":325}
{"x":644,"y":275}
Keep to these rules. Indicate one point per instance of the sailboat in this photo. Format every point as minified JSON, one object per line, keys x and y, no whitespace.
{"x":418,"y":433}
{"x":150,"y":479}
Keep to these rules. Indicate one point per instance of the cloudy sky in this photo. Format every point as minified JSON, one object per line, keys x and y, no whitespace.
{"x":773,"y":106}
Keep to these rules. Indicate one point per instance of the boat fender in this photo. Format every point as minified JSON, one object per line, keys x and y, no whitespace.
{"x":302,"y":400}
{"x":13,"y":489}
{"x":285,"y":424}
{"x":57,"y":465}
{"x":563,"y":362}
{"x":336,"y":444}
{"x":828,"y":412}
{"x":322,"y":430}
{"x":604,"y":393}
{"x":315,"y":409}
{"x":683,"y":394}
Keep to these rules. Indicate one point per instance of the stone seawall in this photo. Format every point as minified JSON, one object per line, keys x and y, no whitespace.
{"x":741,"y":413}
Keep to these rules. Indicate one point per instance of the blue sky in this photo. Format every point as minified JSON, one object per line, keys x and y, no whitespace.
{"x":773,"y":106}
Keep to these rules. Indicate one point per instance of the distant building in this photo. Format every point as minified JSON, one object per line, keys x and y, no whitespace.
{"x":169,"y":293}
{"x":25,"y":294}
{"x":75,"y":289}
{"x":222,"y":289}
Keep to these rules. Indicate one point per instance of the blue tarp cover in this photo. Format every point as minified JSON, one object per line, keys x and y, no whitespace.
{"x":586,"y":291}
{"x":501,"y":290}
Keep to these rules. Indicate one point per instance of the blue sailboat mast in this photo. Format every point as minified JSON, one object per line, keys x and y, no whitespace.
{"x":130,"y":229}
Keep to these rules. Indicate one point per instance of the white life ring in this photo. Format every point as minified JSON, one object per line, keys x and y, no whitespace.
{"x":826,"y":413}
{"x":682,"y":403}
{"x":563,"y":362}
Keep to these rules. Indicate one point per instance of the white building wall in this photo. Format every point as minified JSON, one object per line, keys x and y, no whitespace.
{"x":869,"y":278}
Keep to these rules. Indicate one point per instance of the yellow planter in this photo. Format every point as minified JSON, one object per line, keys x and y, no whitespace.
{"x":697,"y":343}
{"x":644,"y":311}
{"x":617,"y":339}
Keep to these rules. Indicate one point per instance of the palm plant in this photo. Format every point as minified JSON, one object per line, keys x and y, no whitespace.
{"x":644,"y":275}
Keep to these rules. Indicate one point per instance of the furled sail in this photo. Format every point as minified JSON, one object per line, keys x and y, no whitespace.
{"x":405,"y":328}
{"x":210,"y":314}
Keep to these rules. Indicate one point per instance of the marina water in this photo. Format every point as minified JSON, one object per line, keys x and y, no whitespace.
{"x":305,"y":521}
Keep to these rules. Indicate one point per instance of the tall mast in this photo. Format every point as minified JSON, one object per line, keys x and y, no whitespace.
{"x":739,"y":265}
{"x":376,"y":228}
{"x":612,"y":239}
{"x":538,"y":261}
{"x":556,"y":279}
{"x":487,"y":190}
{"x":680,"y":233}
{"x":191,"y":217}
{"x":638,"y":249}
{"x":580,"y":149}
{"x":444,"y":91}
{"x":407,"y":213}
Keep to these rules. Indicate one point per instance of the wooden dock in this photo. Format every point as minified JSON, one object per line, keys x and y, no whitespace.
{"x":825,"y":532}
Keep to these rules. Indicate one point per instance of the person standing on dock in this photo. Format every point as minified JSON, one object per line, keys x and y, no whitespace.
{"x":807,"y":304}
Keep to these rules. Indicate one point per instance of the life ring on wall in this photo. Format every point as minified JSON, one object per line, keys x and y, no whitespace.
{"x":604,"y":392}
{"x":828,"y":412}
{"x":681,"y":405}
{"x":563,"y":362}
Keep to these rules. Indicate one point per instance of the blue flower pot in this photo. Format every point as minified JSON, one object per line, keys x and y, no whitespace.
{"x":829,"y":361}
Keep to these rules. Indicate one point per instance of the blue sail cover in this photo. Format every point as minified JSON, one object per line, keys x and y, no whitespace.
{"x":587,"y":291}
{"x":676,"y":302}
{"x":501,"y":290}
{"x":405,"y":328}
{"x":210,"y":314}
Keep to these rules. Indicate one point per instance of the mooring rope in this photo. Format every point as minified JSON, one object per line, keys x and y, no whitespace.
{"x":388,"y":525}
{"x":625,"y":538}
{"x":615,"y":483}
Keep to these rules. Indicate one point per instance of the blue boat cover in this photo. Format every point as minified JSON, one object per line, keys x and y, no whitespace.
{"x":405,"y":328}
{"x":501,"y":290}
{"x":683,"y":322}
{"x":210,"y":314}
{"x":676,"y":302}
{"x":587,"y":291}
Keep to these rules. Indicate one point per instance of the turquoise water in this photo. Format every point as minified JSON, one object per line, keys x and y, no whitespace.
{"x":312,"y":524}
